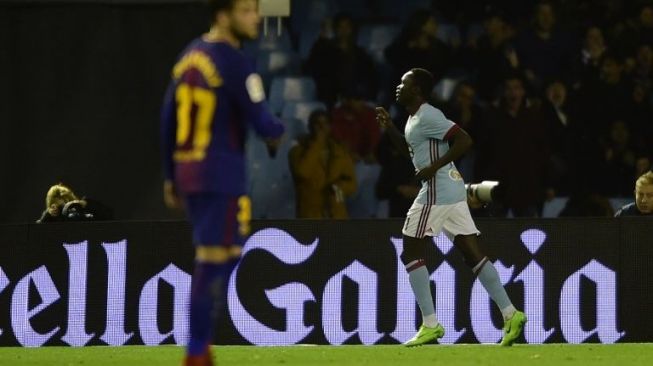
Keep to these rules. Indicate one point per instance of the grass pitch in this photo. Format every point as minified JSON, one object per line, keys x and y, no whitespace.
{"x":450,"y":355}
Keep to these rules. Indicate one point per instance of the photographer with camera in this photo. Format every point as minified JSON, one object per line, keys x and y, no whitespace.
{"x":62,"y":204}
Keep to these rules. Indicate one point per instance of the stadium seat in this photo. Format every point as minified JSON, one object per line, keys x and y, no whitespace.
{"x":375,"y":39}
{"x":274,"y":63}
{"x":449,"y":33}
{"x":295,"y":128}
{"x":402,"y":9}
{"x":310,"y":13}
{"x":445,"y":88}
{"x":363,"y":203}
{"x":300,"y":111}
{"x":618,"y":203}
{"x":554,"y":207}
{"x":290,"y":89}
{"x":307,"y":39}
{"x":474,"y":31}
{"x":270,"y":181}
{"x":353,"y":8}
{"x":271,"y":41}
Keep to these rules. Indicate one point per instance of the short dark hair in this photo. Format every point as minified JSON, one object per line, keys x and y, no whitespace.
{"x":614,"y":56}
{"x":514,"y":75}
{"x":216,"y":6}
{"x":342,"y":17}
{"x":413,"y":26}
{"x":424,"y":81}
{"x":314,"y":117}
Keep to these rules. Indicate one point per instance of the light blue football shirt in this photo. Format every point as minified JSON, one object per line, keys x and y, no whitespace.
{"x":426,"y":133}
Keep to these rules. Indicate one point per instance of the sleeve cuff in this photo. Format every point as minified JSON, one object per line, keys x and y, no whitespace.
{"x":451,"y":131}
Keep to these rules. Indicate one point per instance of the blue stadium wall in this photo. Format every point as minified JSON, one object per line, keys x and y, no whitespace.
{"x":322,"y":282}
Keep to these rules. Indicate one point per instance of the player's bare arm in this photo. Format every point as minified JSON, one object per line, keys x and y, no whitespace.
{"x":383,"y":117}
{"x":461,"y":143}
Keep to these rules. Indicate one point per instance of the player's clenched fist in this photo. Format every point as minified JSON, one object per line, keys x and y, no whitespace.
{"x":383,"y":117}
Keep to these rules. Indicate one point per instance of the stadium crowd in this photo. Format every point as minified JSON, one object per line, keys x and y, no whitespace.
{"x":556,"y":95}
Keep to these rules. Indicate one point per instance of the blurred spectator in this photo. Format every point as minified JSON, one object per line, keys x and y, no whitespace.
{"x":588,"y":60}
{"x":562,"y":134}
{"x":640,"y":118}
{"x":397,"y":182}
{"x":643,"y":65}
{"x":516,"y":152}
{"x":620,"y":157}
{"x":544,"y":51}
{"x":639,"y":31}
{"x":417,"y":46}
{"x":62,"y":204}
{"x":493,"y":56}
{"x":643,"y":165}
{"x":585,"y":204}
{"x":643,"y":204}
{"x":323,"y":172}
{"x":606,"y":100}
{"x":606,"y":13}
{"x":462,"y":110}
{"x":339,"y":63}
{"x":354,"y":125}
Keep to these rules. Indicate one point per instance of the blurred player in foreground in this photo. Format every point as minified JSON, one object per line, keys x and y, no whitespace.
{"x":212,"y":100}
{"x":440,"y":205}
{"x":643,"y":204}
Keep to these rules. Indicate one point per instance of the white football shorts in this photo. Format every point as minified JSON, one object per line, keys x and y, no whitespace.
{"x":429,"y":220}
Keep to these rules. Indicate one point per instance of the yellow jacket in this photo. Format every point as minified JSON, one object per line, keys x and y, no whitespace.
{"x":317,"y":167}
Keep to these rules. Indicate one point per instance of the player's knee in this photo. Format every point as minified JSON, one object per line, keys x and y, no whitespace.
{"x":406,"y":257}
{"x":477,"y":265}
{"x":413,"y":250}
{"x":470,"y":249}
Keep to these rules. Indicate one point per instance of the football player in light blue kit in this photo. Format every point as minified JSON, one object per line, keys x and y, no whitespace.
{"x":441,"y":205}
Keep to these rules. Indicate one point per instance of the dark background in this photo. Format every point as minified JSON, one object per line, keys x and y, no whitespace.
{"x":81,"y":85}
{"x":625,"y":246}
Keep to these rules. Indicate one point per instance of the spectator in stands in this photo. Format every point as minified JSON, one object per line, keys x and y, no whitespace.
{"x":516,"y":152}
{"x":463,"y":110}
{"x":643,"y":205}
{"x":643,"y":64}
{"x":544,"y":51}
{"x":338,"y":63}
{"x":396,"y":182}
{"x":620,"y":157}
{"x":323,"y":172}
{"x":636,"y":32}
{"x":417,"y":46}
{"x":492,"y":56}
{"x":583,"y":203}
{"x":588,"y":61}
{"x":606,"y":100}
{"x":62,"y":204}
{"x":640,"y":118}
{"x":643,"y":165}
{"x":561,"y":135}
{"x":353,"y":124}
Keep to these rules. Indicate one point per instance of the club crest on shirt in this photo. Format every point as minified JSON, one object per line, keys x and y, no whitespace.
{"x":255,"y":89}
{"x":455,"y":175}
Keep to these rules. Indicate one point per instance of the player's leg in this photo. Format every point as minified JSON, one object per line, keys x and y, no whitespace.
{"x":485,"y":271}
{"x":413,"y":257}
{"x":217,"y":249}
{"x":461,"y":226}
